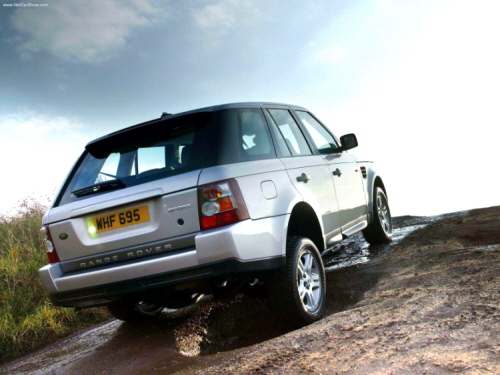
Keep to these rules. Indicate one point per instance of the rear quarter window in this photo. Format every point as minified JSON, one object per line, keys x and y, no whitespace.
{"x":243,"y":136}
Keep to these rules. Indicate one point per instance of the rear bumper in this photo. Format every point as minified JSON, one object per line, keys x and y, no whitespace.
{"x":105,"y":294}
{"x":250,"y":245}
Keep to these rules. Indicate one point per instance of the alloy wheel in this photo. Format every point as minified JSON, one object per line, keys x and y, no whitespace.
{"x":308,"y":281}
{"x":384,"y":214}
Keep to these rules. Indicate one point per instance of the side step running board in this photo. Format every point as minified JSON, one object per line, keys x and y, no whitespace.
{"x":360,"y":226}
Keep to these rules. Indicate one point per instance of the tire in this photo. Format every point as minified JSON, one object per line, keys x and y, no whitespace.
{"x":297,"y":293}
{"x":380,"y":229}
{"x":134,"y":312}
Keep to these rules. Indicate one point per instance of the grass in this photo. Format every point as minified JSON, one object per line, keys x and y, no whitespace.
{"x":28,"y":320}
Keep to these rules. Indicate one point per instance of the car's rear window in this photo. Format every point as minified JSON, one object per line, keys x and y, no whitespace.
{"x":167,"y":148}
{"x":159,"y":150}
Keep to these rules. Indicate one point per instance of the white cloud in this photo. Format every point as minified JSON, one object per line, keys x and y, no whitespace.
{"x":87,"y":31}
{"x":219,"y":15}
{"x":32,"y":124}
{"x":219,"y":18}
{"x":36,"y":153}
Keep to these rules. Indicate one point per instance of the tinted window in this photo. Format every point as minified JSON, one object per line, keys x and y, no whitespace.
{"x":150,"y":158}
{"x":109,"y":169}
{"x":254,"y":135}
{"x":281,"y":147}
{"x":290,"y":132}
{"x":144,"y":154}
{"x":324,"y":141}
{"x":243,"y":136}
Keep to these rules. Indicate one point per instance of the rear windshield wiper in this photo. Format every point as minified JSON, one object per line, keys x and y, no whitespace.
{"x":98,"y":188}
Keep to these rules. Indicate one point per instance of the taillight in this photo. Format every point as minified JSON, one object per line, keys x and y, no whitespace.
{"x":51,"y":250}
{"x":221,"y":203}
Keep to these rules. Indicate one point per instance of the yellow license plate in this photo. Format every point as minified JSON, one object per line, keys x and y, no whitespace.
{"x":120,"y":219}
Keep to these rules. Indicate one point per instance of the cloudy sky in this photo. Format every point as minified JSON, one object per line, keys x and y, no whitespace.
{"x":417,"y":81}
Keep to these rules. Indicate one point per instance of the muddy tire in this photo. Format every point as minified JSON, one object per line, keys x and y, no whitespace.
{"x":134,"y":312}
{"x":297,"y":293}
{"x":379,"y":231}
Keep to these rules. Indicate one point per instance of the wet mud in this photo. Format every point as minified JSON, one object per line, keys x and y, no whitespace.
{"x":215,"y":335}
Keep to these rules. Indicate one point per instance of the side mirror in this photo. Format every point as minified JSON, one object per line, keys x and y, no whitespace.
{"x":348,"y":141}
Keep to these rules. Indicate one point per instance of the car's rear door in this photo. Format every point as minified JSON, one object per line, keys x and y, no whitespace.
{"x":308,"y":172}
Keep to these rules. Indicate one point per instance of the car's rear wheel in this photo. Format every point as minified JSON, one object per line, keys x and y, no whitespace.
{"x":133,"y":312}
{"x":379,"y":231}
{"x":298,"y":292}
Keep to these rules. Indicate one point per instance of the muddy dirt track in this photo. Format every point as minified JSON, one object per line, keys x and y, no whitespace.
{"x":428,"y":303}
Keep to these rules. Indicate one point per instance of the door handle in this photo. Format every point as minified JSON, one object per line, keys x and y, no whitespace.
{"x":337,"y":172}
{"x":303,"y":178}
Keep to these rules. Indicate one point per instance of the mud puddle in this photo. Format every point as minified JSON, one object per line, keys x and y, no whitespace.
{"x":356,"y":250}
{"x":192,"y":340}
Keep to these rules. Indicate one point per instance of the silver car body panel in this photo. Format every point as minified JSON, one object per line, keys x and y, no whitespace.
{"x":348,"y":182}
{"x":249,"y":168}
{"x":253,"y":178}
{"x":246,"y":240}
{"x":371,"y":176}
{"x":318,"y":191}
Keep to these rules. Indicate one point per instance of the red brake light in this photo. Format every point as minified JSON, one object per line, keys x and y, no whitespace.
{"x":221,"y":203}
{"x":51,"y":250}
{"x":208,"y":222}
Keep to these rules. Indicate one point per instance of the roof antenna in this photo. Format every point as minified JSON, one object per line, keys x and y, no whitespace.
{"x":165,"y":114}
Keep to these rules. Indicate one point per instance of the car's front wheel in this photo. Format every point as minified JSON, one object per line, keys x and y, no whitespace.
{"x":379,"y":231}
{"x":298,"y":292}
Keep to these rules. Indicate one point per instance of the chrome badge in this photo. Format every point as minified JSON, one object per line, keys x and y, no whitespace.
{"x":178,"y":208}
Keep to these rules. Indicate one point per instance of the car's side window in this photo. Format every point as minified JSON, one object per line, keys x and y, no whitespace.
{"x":324,"y":141}
{"x":254,"y":135}
{"x":290,"y":131}
{"x":281,"y":147}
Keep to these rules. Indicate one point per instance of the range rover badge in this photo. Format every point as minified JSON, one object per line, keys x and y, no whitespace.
{"x":63,"y":236}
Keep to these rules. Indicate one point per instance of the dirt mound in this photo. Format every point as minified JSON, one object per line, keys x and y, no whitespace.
{"x":433,"y":309}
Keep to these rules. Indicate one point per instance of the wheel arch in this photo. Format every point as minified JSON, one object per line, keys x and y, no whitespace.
{"x":379,"y":183}
{"x":304,"y":222}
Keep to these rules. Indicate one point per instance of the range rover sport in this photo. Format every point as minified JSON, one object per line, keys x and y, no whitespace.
{"x":210,"y":200}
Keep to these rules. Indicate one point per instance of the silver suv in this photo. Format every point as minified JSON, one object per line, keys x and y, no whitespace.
{"x":218,"y":199}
